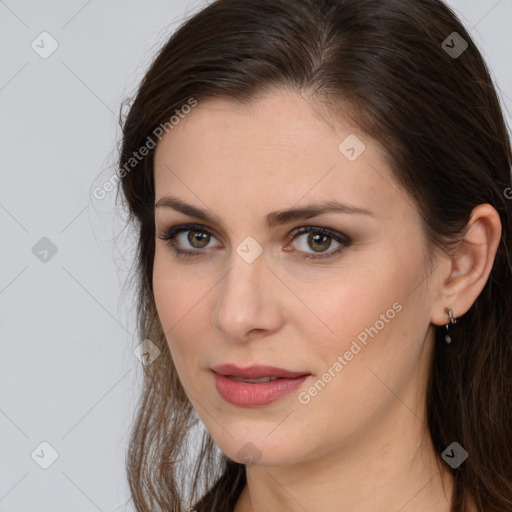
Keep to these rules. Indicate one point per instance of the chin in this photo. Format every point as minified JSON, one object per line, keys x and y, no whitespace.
{"x":259,"y":452}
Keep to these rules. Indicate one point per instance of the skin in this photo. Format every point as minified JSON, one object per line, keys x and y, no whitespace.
{"x":361,"y":444}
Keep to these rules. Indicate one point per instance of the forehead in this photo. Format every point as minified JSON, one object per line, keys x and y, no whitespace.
{"x":279,"y":120}
{"x":276,"y":151}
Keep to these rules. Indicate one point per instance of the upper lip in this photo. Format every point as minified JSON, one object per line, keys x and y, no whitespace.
{"x":256,"y":371}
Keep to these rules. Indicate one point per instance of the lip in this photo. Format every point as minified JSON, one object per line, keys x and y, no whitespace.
{"x":256,"y":371}
{"x":246,"y":394}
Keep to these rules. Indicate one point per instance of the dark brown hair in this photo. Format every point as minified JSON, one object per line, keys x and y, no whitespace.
{"x":439,"y":117}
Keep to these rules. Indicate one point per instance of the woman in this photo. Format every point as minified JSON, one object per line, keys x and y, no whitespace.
{"x":320,"y":191}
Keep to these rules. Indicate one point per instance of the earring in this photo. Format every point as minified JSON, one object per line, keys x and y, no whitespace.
{"x":451,"y":321}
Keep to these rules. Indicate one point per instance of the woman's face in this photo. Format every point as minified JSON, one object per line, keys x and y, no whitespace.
{"x":351,"y":322}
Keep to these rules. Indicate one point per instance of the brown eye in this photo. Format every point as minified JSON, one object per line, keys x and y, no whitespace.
{"x":188,"y":240}
{"x":318,"y":242}
{"x":198,"y":239}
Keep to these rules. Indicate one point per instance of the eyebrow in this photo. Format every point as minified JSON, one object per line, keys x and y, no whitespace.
{"x":274,"y":218}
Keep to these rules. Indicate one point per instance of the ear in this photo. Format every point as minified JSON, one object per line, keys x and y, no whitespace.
{"x":468,"y":269}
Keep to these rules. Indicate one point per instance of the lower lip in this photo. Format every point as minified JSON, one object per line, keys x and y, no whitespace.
{"x":245,"y":394}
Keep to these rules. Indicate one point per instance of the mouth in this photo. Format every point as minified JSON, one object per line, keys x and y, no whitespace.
{"x":253,"y":381}
{"x":255,"y":386}
{"x":256,"y":372}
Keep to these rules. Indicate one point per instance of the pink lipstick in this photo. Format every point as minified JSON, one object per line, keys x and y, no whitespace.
{"x":255,"y":386}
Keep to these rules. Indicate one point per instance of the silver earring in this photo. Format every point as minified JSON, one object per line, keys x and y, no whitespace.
{"x":451,"y":321}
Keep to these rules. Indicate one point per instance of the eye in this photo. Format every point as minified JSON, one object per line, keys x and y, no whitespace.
{"x":198,"y":238}
{"x":193,"y":234}
{"x":320,"y":240}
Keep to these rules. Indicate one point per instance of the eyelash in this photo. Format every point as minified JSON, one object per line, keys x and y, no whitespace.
{"x":169,"y":237}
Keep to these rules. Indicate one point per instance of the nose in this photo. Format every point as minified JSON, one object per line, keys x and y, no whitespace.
{"x":248,"y":300}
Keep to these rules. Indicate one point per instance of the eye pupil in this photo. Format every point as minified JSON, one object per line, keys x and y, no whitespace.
{"x":320,"y":239}
{"x":198,"y":236}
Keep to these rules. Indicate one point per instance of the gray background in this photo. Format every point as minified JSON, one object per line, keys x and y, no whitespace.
{"x":68,"y":373}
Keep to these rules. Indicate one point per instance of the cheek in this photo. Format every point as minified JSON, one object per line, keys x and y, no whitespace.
{"x":377,"y":347}
{"x":176,"y":299}
{"x":346,"y":302}
{"x":368,"y":313}
{"x":165,"y":286}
